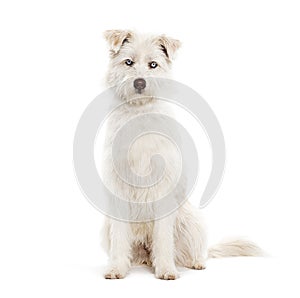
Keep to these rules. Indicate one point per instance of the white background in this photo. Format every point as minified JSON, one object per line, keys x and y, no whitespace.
{"x":241,"y":56}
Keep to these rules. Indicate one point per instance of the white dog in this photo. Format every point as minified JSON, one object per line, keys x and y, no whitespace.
{"x":179,"y":238}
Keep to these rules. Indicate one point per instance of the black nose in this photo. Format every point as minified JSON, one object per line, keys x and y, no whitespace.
{"x":139,"y":84}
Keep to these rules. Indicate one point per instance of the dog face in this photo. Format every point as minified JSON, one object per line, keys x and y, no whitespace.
{"x":136,"y":61}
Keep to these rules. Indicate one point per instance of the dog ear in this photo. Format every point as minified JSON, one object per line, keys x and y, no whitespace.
{"x":169,"y":45}
{"x":116,"y":38}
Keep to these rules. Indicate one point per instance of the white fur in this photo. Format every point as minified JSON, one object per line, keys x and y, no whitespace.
{"x":178,"y":239}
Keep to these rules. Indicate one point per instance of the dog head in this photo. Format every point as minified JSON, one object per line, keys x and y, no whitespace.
{"x":136,"y":61}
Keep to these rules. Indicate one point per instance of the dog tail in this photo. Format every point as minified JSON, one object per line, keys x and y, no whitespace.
{"x":235,"y":248}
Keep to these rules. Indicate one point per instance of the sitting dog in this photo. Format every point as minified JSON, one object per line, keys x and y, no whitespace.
{"x":179,"y":238}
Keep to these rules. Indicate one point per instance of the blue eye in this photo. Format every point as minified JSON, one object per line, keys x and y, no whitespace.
{"x":129,"y":62}
{"x":153,"y":64}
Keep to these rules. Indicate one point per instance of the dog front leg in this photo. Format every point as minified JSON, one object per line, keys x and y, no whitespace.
{"x":163,"y":248}
{"x":120,"y":250}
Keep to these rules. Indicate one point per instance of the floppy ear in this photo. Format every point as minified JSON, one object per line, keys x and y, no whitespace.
{"x":169,"y":45}
{"x":116,"y":38}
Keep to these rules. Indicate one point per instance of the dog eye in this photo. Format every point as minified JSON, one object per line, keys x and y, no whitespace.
{"x":153,"y":64}
{"x":129,"y":62}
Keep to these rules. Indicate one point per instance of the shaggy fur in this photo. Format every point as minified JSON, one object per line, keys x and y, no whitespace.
{"x":178,"y":239}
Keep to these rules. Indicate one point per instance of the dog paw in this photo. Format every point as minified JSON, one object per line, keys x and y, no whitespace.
{"x":198,"y":266}
{"x":166,"y":274}
{"x":147,"y":263}
{"x":114,"y":273}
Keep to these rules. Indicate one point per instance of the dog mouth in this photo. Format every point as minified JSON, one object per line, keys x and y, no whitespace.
{"x":138,"y":91}
{"x":140,"y":97}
